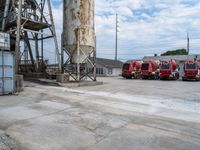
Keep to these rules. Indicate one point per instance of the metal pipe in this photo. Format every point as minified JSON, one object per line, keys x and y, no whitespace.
{"x":95,"y":64}
{"x":62,"y":53}
{"x":78,"y":54}
{"x":42,"y":51}
{"x":62,"y":46}
{"x":17,"y":44}
{"x":28,"y":30}
{"x":42,"y":37}
{"x":5,"y":14}
{"x":37,"y":52}
{"x":26,"y":38}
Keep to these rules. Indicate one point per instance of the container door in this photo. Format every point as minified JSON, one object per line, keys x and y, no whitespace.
{"x":6,"y":73}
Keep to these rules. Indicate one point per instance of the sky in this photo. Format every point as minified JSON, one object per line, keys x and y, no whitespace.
{"x":146,"y":27}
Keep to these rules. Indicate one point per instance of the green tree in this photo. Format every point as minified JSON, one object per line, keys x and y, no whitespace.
{"x":175,"y":52}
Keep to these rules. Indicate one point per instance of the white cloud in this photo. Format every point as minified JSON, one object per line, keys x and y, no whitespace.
{"x":146,"y":26}
{"x":159,"y":26}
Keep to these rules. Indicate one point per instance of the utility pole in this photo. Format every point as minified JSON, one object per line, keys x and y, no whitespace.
{"x":188,"y":43}
{"x":116,"y":42}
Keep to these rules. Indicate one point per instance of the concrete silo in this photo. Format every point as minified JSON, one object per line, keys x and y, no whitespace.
{"x":78,"y":38}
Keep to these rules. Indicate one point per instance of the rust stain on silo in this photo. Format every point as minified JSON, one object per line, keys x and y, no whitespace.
{"x":85,"y":16}
{"x":78,"y":14}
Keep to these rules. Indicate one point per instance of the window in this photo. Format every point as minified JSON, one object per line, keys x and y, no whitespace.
{"x":165,"y":66}
{"x":99,"y":71}
{"x":126,"y":66}
{"x":110,"y":71}
{"x":145,"y":66}
{"x":90,"y":70}
{"x":191,"y":66}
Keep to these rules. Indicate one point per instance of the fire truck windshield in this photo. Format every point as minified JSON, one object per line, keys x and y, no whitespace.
{"x":165,"y":66}
{"x":126,"y":66}
{"x":145,"y":66}
{"x":191,"y":66}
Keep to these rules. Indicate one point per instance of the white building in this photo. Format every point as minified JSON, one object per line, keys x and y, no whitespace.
{"x":107,"y":67}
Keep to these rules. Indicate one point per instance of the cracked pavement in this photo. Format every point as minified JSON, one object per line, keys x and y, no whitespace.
{"x":120,"y":114}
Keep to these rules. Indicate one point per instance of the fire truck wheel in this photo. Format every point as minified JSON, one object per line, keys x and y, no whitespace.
{"x":183,"y":79}
{"x":177,"y":76}
{"x":144,"y":78}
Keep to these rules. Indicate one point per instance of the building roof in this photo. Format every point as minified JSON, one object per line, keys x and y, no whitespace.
{"x":175,"y":57}
{"x":109,"y":63}
{"x":131,"y":60}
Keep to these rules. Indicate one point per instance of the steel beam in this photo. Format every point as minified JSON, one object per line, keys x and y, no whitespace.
{"x":17,"y":45}
{"x":54,"y":34}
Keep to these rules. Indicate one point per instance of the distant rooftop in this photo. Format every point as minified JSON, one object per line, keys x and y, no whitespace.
{"x":175,"y":57}
{"x":128,"y":61}
{"x":109,"y":63}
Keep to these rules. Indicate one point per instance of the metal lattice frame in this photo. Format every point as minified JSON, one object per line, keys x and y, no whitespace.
{"x":29,"y":27}
{"x":86,"y":73}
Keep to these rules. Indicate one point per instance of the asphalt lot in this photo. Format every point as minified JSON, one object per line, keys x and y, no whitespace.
{"x":118,"y":115}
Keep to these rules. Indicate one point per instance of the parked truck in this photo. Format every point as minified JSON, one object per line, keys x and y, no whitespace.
{"x":191,"y":70}
{"x":169,"y":70}
{"x":150,"y":69}
{"x":132,"y":70}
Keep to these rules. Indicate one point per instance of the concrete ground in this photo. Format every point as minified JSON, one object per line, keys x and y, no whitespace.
{"x":118,"y":115}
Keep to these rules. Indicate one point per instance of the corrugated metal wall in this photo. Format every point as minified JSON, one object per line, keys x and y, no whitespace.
{"x":6,"y":72}
{"x":4,"y":41}
{"x":6,"y":65}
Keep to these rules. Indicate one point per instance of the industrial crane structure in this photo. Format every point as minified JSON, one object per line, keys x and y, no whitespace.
{"x":29,"y":23}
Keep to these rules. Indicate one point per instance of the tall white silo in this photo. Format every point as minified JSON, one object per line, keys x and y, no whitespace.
{"x":78,"y":37}
{"x":78,"y":28}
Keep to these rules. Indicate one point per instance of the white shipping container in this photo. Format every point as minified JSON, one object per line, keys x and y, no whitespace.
{"x":6,"y":72}
{"x":4,"y":41}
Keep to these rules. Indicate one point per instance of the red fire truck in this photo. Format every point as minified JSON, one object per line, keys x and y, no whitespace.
{"x":132,"y":70}
{"x":169,"y":70}
{"x":191,"y":70}
{"x":150,"y":69}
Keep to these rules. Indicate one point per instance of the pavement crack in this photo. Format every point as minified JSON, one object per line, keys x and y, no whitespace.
{"x":36,"y":117}
{"x":107,"y":135}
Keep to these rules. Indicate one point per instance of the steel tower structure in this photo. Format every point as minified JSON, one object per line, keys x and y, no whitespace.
{"x":29,"y":22}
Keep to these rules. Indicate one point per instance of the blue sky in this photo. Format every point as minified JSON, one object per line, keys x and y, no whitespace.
{"x":146,"y":26}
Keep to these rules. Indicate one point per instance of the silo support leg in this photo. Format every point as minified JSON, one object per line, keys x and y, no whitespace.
{"x":78,"y":55}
